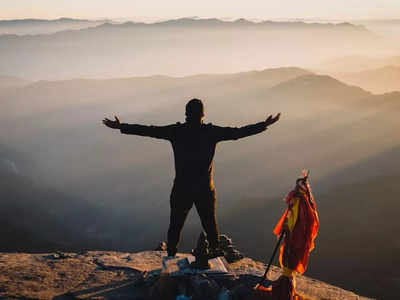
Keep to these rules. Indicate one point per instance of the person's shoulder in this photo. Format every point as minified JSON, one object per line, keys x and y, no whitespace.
{"x":178,"y":125}
{"x":211,"y":126}
{"x":208,"y":126}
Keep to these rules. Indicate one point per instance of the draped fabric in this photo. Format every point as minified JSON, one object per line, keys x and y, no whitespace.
{"x":300,"y":223}
{"x":299,"y":241}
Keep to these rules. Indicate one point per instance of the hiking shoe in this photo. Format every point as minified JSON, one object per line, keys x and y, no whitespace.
{"x":217,"y":252}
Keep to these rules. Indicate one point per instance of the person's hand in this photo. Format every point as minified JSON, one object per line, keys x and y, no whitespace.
{"x":271,"y":120}
{"x":112,"y":124}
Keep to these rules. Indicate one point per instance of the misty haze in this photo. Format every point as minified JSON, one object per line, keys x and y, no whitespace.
{"x":337,"y":86}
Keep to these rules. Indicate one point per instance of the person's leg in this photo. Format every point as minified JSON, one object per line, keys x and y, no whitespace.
{"x":180,"y":207}
{"x":206,"y":208}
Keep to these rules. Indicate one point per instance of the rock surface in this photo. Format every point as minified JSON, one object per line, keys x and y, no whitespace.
{"x":113,"y":275}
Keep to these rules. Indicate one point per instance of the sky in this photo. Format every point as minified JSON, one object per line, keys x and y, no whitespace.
{"x":162,"y":9}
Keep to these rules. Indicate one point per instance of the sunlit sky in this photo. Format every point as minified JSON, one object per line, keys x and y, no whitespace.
{"x":162,"y":9}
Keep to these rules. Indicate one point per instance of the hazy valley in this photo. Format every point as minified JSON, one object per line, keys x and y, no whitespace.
{"x":70,"y":183}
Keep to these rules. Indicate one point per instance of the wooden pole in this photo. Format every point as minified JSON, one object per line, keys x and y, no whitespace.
{"x":272,"y":257}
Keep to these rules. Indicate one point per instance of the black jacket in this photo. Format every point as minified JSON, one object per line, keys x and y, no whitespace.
{"x":194,"y":146}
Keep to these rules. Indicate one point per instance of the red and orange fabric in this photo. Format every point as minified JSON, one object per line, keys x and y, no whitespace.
{"x":301,"y":222}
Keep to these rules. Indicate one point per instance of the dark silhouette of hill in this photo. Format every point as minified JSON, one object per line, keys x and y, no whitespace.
{"x":381,"y":80}
{"x":38,"y":218}
{"x":16,"y":239}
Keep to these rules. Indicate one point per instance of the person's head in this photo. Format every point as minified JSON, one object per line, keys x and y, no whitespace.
{"x":194,"y":110}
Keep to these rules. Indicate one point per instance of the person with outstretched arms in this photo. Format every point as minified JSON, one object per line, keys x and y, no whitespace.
{"x":193,"y":144}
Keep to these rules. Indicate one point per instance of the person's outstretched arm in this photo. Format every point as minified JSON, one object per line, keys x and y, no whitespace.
{"x":234,"y":133}
{"x":160,"y":132}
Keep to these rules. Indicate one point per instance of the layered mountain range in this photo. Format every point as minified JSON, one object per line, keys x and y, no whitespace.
{"x":45,"y":26}
{"x":97,"y":189}
{"x":179,"y":47}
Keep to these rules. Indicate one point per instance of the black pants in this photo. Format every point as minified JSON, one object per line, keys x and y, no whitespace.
{"x":182,"y":200}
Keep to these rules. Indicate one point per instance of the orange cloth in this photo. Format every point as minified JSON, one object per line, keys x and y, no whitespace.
{"x":300,"y":241}
{"x":301,"y":220}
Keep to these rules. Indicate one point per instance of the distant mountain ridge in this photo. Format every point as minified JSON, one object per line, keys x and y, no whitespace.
{"x":32,"y":26}
{"x":34,"y":20}
{"x":239,"y":23}
{"x":267,"y":77}
{"x":357,"y":64}
{"x":11,"y":82}
{"x":381,"y":80}
{"x":44,"y":26}
{"x":186,"y":21}
{"x":178,"y":47}
{"x":314,"y":86}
